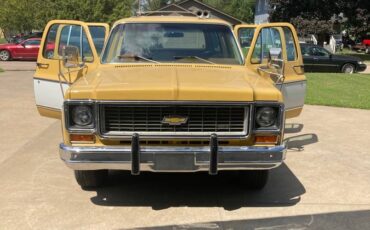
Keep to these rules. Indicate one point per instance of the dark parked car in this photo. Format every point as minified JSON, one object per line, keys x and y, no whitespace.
{"x":318,"y":59}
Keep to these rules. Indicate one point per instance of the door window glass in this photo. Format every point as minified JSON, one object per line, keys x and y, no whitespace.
{"x":305,"y":50}
{"x":48,"y":50}
{"x":268,"y":38}
{"x":32,"y":42}
{"x":98,"y":36}
{"x":74,"y":35}
{"x":318,"y":51}
{"x":290,"y":44}
{"x":245,"y":37}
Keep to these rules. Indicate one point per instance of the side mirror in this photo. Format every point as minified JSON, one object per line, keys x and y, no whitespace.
{"x":71,"y":57}
{"x":275,"y":65}
{"x":275,"y":59}
{"x":275,"y":54}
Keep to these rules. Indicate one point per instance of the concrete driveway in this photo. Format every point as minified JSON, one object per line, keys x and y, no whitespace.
{"x":325,"y":185}
{"x":18,"y":65}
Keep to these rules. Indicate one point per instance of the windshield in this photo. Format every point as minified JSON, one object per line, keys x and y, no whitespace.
{"x":166,"y":42}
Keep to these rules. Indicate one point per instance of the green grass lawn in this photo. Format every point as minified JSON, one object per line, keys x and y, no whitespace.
{"x":2,"y":41}
{"x":340,"y":90}
{"x":362,"y":55}
{"x":1,"y":70}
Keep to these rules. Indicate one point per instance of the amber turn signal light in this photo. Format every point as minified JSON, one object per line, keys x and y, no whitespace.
{"x":266,"y":139}
{"x":82,"y":138}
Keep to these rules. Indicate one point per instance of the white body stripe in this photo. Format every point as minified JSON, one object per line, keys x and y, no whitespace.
{"x":293,"y":93}
{"x":49,"y":93}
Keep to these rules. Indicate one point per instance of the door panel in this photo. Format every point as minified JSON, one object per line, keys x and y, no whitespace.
{"x":323,"y":61}
{"x":294,"y":85}
{"x":31,"y":48}
{"x":291,"y":81}
{"x":18,"y":51}
{"x":52,"y":79}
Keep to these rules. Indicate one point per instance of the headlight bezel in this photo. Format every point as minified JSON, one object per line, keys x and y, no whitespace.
{"x":277,"y":126}
{"x":70,"y":125}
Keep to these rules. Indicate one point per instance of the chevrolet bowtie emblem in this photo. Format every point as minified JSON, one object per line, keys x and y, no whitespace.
{"x":174,"y":120}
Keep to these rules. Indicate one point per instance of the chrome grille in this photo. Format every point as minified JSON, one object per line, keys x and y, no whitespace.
{"x":120,"y":119}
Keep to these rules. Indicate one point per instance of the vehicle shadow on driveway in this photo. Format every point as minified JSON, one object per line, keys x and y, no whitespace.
{"x":161,"y":191}
{"x":334,"y":220}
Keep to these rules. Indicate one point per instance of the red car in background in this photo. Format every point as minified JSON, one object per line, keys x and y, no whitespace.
{"x":366,"y":43}
{"x":25,"y":50}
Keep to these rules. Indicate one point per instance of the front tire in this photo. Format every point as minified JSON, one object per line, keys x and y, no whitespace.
{"x":91,"y":178}
{"x":348,"y":68}
{"x":4,"y":55}
{"x":253,"y":179}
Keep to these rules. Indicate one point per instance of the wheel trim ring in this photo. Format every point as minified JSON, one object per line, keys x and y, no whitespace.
{"x":4,"y":55}
{"x":348,"y":69}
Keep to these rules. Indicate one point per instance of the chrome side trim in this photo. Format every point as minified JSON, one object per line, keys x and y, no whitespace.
{"x":172,"y":159}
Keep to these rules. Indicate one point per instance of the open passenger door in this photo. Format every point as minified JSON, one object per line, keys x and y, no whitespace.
{"x":272,"y":50}
{"x":52,"y":78}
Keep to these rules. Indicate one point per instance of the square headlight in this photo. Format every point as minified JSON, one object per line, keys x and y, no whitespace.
{"x":80,"y":116}
{"x":267,"y":117}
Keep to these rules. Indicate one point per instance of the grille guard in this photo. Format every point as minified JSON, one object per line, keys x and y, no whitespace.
{"x":173,"y":159}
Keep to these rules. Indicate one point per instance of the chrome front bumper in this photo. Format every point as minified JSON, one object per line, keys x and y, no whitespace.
{"x":172,"y":159}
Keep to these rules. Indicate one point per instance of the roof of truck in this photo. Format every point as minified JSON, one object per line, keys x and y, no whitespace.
{"x":172,"y":19}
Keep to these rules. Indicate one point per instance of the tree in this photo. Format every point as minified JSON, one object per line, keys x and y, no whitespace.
{"x":320,"y":16}
{"x":16,"y":15}
{"x":89,"y":11}
{"x":241,"y":9}
{"x":26,"y":15}
{"x":156,"y":4}
{"x":357,"y":13}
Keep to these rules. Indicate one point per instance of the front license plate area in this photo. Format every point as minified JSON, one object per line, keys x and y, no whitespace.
{"x":174,"y":162}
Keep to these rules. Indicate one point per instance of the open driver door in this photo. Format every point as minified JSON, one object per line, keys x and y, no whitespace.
{"x":52,"y":77}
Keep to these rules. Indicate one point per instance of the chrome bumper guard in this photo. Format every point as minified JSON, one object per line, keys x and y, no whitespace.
{"x":172,"y":158}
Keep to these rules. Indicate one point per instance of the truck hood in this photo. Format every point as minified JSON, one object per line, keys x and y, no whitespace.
{"x":174,"y":82}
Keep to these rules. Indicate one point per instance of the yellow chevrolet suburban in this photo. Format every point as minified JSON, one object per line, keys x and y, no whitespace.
{"x":170,"y":94}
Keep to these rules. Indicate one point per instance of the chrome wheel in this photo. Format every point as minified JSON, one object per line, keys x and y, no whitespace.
{"x":348,"y":68}
{"x":4,"y":55}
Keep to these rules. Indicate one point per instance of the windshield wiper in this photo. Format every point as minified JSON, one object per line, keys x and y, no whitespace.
{"x":137,"y":57}
{"x":193,"y":57}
